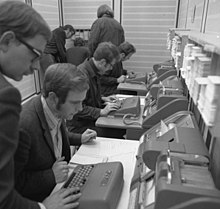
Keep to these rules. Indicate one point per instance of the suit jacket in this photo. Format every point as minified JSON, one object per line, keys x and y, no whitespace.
{"x":10,"y":107}
{"x":35,"y":156}
{"x":109,"y":81}
{"x":77,"y":54}
{"x":104,"y":29}
{"x":56,"y":46}
{"x":92,"y":104}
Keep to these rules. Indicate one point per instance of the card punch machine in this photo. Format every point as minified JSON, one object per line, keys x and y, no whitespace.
{"x":172,"y":168}
{"x":149,"y":79}
{"x":100,"y":184}
{"x":128,"y":106}
{"x":168,"y":101}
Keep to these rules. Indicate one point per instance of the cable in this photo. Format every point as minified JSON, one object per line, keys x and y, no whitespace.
{"x":130,"y":117}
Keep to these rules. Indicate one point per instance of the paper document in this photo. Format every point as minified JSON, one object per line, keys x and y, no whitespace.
{"x":101,"y":150}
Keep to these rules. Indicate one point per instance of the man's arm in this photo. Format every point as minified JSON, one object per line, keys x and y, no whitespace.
{"x":26,"y":180}
{"x":94,"y":37}
{"x":60,"y":41}
{"x":10,"y":107}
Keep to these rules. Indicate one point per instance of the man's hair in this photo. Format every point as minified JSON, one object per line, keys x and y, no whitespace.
{"x":70,"y":27}
{"x":79,"y":42}
{"x":126,"y":48}
{"x":61,"y":78}
{"x":107,"y":51}
{"x":105,"y":10}
{"x":23,"y":20}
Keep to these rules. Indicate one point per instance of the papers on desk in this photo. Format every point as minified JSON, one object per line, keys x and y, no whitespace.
{"x":103,"y":150}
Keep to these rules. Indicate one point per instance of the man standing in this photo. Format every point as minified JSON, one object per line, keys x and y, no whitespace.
{"x":23,"y":36}
{"x":55,"y":51}
{"x":105,"y":29}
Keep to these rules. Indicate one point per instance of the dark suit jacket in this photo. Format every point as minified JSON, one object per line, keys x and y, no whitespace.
{"x":10,"y":107}
{"x":104,"y":29}
{"x":109,"y":81}
{"x":92,"y":104}
{"x":35,"y":154}
{"x":77,"y":54}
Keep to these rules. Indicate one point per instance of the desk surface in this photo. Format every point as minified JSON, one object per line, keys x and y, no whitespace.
{"x":107,"y":149}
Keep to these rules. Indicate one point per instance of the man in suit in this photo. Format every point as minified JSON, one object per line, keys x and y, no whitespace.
{"x":105,"y":29}
{"x":96,"y":105}
{"x":23,"y":36}
{"x":44,"y":147}
{"x":111,"y":79}
{"x":55,"y":51}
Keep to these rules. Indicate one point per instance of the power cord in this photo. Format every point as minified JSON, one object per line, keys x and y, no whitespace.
{"x":127,"y":119}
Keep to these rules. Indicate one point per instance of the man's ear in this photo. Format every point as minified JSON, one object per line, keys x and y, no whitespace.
{"x":102,"y":62}
{"x":6,"y":39}
{"x":123,"y":55}
{"x":53,"y":99}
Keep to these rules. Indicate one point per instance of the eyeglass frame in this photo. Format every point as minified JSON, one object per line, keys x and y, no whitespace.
{"x":37,"y":52}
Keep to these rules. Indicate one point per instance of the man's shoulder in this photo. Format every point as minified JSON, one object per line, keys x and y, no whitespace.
{"x":30,"y":108}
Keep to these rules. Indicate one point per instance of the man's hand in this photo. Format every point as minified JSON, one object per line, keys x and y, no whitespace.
{"x":88,"y":135}
{"x":131,"y":75}
{"x":121,"y":79}
{"x":63,"y":199}
{"x":60,"y":170}
{"x":108,"y":108}
{"x":111,"y":98}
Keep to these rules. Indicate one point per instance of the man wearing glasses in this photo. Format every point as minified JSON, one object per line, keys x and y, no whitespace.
{"x":23,"y":36}
{"x":105,"y":57}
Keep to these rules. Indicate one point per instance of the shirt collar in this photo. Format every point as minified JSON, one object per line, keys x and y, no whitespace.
{"x":95,"y":71}
{"x":52,"y":120}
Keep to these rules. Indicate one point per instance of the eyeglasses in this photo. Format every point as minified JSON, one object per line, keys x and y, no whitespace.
{"x":112,"y":65}
{"x":37,"y":52}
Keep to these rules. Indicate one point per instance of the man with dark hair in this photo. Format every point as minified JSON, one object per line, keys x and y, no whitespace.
{"x":105,"y":57}
{"x":111,"y":79}
{"x":77,"y":54}
{"x":56,"y":46}
{"x":23,"y":36}
{"x":43,"y":153}
{"x":105,"y":29}
{"x":55,"y":51}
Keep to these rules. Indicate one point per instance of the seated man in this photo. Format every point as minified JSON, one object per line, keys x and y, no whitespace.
{"x":104,"y":58}
{"x":111,"y":79}
{"x":77,"y":54}
{"x":44,"y":146}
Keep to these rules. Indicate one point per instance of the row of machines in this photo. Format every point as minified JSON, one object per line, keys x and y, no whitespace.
{"x":163,"y":98}
{"x":172,"y":168}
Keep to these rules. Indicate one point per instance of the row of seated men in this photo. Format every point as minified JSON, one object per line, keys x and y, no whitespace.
{"x":71,"y":99}
{"x":41,"y":160}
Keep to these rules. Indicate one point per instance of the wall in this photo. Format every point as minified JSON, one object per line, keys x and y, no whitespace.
{"x":146,"y":25}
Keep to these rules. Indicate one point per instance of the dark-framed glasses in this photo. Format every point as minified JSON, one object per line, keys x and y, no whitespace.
{"x":37,"y":52}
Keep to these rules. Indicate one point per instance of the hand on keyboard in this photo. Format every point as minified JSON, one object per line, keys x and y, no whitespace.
{"x":60,"y":170}
{"x":111,"y":98}
{"x":110,"y":107}
{"x":62,"y":199}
